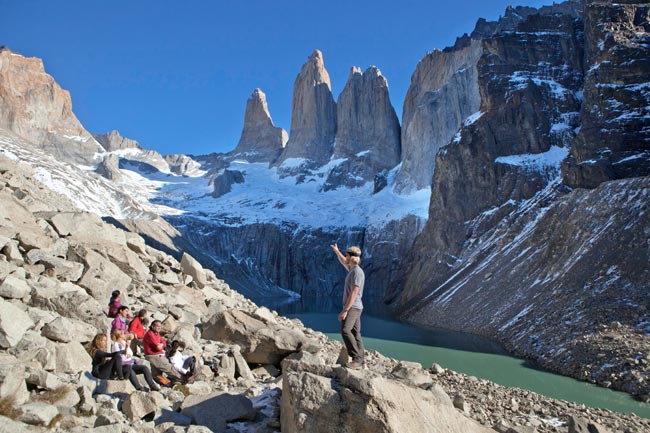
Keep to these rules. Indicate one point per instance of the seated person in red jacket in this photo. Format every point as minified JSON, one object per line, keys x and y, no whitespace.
{"x":137,"y":328}
{"x":154,"y":351}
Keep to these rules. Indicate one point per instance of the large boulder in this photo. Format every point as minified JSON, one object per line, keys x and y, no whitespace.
{"x":12,"y":379}
{"x":216,"y":410}
{"x":65,"y":269}
{"x":124,"y":258}
{"x":72,"y":358}
{"x":138,"y":405}
{"x":260,"y":343}
{"x":190,"y":266}
{"x":37,"y":413}
{"x":14,"y":288}
{"x":86,"y":227}
{"x":65,"y":330}
{"x":364,"y":402}
{"x":101,"y":276}
{"x":14,"y":322}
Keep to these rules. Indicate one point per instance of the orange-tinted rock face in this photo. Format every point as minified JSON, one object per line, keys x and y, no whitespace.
{"x":35,"y":107}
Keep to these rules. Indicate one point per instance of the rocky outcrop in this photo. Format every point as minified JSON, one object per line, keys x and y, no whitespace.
{"x":223,"y":181}
{"x":340,"y":400}
{"x":614,"y":140}
{"x":36,"y":108}
{"x":110,"y":167}
{"x":114,"y":141}
{"x":262,"y":340}
{"x":260,"y":140}
{"x":182,"y":165}
{"x":367,"y":129}
{"x":313,"y":115}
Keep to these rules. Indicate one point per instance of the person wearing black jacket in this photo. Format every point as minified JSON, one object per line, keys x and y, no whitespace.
{"x":108,"y":365}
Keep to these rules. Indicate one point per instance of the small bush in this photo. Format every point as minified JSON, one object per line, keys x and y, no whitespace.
{"x":51,"y":396}
{"x":8,"y":407}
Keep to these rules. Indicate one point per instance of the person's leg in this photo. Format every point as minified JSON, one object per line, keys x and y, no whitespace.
{"x":115,"y":368}
{"x":127,"y":370}
{"x":144,"y":370}
{"x":163,"y":364}
{"x":190,"y":364}
{"x":356,"y":332}
{"x":346,"y":332}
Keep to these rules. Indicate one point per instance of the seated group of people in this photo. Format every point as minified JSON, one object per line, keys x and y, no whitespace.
{"x":119,"y":362}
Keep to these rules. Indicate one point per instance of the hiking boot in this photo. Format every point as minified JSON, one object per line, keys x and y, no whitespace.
{"x":355,"y":365}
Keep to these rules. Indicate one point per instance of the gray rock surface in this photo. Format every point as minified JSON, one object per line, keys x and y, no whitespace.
{"x":613,"y":142}
{"x":12,"y":379}
{"x":367,"y":131}
{"x":113,"y":140}
{"x":190,"y":266}
{"x":260,"y":140}
{"x":443,"y":92}
{"x":313,"y":114}
{"x":109,"y":167}
{"x":138,"y":405}
{"x":14,"y":288}
{"x":14,"y":322}
{"x":223,"y":181}
{"x":260,"y":343}
{"x":214,"y":411}
{"x":314,"y":403}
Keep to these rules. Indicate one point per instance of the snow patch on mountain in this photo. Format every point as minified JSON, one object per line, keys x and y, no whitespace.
{"x":265,"y":196}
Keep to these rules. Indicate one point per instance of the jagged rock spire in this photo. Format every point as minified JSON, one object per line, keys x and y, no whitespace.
{"x":313,"y":114}
{"x":260,"y":139}
{"x":366,"y":120}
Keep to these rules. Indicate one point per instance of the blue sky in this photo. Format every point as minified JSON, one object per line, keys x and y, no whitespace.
{"x":176,"y":75}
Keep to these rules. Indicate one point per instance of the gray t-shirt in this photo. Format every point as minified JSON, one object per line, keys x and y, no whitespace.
{"x":355,"y":277}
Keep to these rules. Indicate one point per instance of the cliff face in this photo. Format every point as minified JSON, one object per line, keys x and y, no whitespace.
{"x":313,"y":114}
{"x":512,"y":252}
{"x":443,"y":92}
{"x":261,"y":140}
{"x":368,"y":132}
{"x":614,"y":141}
{"x":259,"y":259}
{"x":35,"y":107}
{"x":530,"y":82}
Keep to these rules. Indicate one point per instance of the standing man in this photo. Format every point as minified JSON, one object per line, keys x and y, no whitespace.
{"x":350,"y":316}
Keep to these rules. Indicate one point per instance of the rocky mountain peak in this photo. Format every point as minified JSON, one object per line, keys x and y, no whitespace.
{"x":36,"y":108}
{"x":354,"y":70}
{"x":260,"y":139}
{"x":115,"y":141}
{"x":367,"y":129}
{"x":313,"y":114}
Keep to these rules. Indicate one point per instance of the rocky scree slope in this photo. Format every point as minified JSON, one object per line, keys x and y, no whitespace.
{"x":273,"y":374}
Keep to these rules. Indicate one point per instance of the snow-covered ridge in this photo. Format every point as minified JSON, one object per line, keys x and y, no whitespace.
{"x":265,"y":196}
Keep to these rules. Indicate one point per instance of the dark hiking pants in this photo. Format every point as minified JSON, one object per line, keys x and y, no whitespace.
{"x":351,"y":333}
